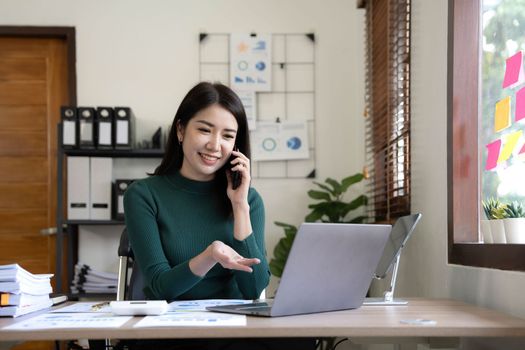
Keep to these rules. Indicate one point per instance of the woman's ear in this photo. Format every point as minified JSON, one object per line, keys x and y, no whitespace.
{"x":180,"y":132}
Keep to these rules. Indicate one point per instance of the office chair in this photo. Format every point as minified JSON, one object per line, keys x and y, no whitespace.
{"x":132,"y":290}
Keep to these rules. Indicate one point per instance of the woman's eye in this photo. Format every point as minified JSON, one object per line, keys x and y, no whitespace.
{"x":204,"y":130}
{"x":229,"y":137}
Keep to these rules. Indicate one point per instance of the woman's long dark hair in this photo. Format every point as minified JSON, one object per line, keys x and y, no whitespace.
{"x":198,"y":98}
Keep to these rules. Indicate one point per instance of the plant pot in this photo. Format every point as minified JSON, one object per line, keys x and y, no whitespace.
{"x":515,"y":230}
{"x":486,"y":233}
{"x":498,"y":231}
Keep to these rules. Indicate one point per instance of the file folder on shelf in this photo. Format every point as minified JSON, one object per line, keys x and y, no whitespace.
{"x":104,"y":127}
{"x":121,"y":185}
{"x":101,"y":182}
{"x":86,"y":118}
{"x":124,"y":128}
{"x":78,"y":188}
{"x":68,"y":115}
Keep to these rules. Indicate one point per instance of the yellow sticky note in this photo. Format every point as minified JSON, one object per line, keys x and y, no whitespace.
{"x":502,"y":114}
{"x":510,"y":143}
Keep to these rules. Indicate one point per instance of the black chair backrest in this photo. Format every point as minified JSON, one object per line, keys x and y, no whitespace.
{"x":134,"y":290}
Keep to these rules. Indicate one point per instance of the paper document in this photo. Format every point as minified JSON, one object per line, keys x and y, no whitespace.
{"x":84,"y":307}
{"x":193,"y":318}
{"x":200,"y":305}
{"x":71,"y":320}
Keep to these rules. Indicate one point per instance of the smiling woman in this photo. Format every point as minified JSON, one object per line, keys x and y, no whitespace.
{"x":194,"y":236}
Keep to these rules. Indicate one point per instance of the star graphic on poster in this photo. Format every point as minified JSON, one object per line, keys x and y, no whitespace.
{"x":243,"y":47}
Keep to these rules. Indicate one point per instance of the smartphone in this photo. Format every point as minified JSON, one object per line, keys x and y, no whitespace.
{"x":236,"y":176}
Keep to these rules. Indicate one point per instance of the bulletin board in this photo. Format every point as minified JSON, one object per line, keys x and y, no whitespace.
{"x":291,"y":97}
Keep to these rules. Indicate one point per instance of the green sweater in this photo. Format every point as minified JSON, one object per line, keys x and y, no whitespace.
{"x":170,"y":219}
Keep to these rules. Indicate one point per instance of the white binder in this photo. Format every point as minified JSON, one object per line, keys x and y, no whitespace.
{"x":78,"y":188}
{"x":101,"y":182}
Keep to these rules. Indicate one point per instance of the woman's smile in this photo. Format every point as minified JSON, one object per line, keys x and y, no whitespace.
{"x":209,"y":159}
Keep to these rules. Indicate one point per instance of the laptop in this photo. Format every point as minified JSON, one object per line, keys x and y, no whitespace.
{"x":330,"y":267}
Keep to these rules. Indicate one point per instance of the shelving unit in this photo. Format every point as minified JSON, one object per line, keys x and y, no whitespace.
{"x":71,"y":227}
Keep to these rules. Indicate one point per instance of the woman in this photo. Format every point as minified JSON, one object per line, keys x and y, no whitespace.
{"x":193,"y":234}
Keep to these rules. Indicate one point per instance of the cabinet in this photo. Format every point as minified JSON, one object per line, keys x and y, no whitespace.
{"x":70,"y":228}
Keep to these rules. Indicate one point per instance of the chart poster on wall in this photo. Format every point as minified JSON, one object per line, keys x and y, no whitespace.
{"x":251,"y":62}
{"x":249,"y":103}
{"x":280,"y":141}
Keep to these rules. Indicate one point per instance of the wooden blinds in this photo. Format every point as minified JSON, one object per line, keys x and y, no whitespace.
{"x":387,"y":94}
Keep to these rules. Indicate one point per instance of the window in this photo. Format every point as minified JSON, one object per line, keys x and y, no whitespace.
{"x":475,"y":67}
{"x":388,"y":108}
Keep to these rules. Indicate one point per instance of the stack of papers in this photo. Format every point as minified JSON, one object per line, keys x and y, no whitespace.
{"x":87,"y":280}
{"x":22,"y":292}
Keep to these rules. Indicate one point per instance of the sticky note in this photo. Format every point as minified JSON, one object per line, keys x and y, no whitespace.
{"x":492,"y":154}
{"x":519,"y":114}
{"x":502,"y":114}
{"x":510,"y":142}
{"x":522,"y":151}
{"x":514,"y":70}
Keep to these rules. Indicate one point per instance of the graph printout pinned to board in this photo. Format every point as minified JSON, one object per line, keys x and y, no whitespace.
{"x":279,"y":141}
{"x":251,"y":62}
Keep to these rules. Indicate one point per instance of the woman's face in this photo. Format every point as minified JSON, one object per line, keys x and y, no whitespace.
{"x":207,"y":142}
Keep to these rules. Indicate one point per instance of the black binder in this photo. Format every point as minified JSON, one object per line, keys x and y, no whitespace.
{"x":104,"y":125}
{"x":120,"y":187}
{"x":68,"y":115}
{"x":124,"y":128}
{"x":86,"y":119}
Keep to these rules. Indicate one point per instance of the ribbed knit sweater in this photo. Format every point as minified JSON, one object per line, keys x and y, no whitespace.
{"x":170,"y":219}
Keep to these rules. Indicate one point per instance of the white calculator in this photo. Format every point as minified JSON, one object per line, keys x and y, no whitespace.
{"x":139,"y":307}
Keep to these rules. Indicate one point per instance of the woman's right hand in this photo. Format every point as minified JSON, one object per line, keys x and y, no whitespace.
{"x":230,"y":259}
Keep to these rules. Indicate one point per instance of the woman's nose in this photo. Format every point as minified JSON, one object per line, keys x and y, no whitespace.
{"x":214,"y":143}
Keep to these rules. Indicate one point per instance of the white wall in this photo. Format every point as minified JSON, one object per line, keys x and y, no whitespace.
{"x":424,"y":270}
{"x":145,"y":54}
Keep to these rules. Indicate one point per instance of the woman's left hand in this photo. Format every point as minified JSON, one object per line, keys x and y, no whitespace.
{"x":241,"y":165}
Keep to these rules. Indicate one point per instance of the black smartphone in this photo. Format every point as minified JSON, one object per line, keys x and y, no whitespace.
{"x":235,"y":175}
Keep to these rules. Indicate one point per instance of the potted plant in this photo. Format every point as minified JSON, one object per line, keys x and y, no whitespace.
{"x":330,"y":206}
{"x":514,"y":223}
{"x":495,"y":212}
{"x":484,"y":224}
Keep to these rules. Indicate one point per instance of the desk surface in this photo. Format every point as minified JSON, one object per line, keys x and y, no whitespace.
{"x":454,"y":319}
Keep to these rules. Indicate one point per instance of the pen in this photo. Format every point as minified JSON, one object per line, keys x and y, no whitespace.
{"x":99,"y":306}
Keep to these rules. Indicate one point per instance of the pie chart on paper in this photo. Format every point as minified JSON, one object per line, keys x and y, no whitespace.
{"x":294,"y":143}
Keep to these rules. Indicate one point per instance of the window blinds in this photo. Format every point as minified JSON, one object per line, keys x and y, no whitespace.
{"x":387,"y":114}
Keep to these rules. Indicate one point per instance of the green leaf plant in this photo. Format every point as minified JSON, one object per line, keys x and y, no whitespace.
{"x":514,"y":210}
{"x":494,"y":209}
{"x":329,"y":206}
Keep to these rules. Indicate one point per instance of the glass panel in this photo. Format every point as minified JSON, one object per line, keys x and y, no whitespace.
{"x":501,"y":140}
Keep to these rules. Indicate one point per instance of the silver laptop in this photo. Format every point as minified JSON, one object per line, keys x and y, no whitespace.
{"x":330,"y":267}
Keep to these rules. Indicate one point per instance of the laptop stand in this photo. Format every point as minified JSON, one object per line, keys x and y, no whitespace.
{"x":388,"y":298}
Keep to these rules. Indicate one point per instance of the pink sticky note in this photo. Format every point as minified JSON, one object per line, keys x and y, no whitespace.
{"x":522,"y":151}
{"x":520,"y":105}
{"x":493,"y":154}
{"x":514,"y":70}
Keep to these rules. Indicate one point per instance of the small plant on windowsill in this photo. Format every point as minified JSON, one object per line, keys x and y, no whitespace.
{"x":330,"y":207}
{"x":514,"y":223}
{"x":492,"y":229}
